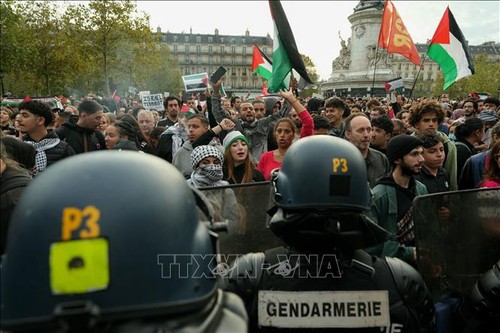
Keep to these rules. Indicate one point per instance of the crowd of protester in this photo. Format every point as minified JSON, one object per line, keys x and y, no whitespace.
{"x":411,"y":146}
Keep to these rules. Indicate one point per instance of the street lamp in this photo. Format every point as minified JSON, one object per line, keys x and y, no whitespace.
{"x":1,"y":81}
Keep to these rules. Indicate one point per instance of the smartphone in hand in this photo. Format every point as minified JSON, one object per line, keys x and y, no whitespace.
{"x":219,"y":73}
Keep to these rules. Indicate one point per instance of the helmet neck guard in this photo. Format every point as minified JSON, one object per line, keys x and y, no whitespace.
{"x":326,"y":230}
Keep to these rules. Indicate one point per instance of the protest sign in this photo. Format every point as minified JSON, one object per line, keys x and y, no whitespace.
{"x":152,"y":101}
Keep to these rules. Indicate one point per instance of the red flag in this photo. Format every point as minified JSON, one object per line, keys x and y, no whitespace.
{"x":115,"y":96}
{"x":264,"y":90}
{"x":394,"y":37}
{"x":184,"y":108}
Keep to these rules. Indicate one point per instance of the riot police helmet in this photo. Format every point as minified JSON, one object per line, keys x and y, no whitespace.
{"x":321,"y":194}
{"x":105,"y":235}
{"x":322,"y":172}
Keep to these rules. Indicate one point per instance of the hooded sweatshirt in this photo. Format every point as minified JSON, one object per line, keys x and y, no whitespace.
{"x":76,"y":136}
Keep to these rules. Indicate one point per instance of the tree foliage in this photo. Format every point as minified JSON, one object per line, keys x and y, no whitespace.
{"x":97,"y":46}
{"x":485,"y":79}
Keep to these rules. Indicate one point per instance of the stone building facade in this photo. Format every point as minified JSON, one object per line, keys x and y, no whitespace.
{"x":199,"y":53}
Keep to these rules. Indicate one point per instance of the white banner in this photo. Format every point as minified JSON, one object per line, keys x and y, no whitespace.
{"x":154,"y":101}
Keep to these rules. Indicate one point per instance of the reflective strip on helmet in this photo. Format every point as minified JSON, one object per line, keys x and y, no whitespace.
{"x":79,"y":266}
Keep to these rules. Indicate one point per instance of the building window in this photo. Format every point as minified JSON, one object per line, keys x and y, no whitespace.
{"x":430,"y":67}
{"x":175,"y":48}
{"x":233,"y":60}
{"x":233,"y":49}
{"x":186,"y":39}
{"x":244,"y":61}
{"x":232,"y":40}
{"x":399,"y":66}
{"x":407,"y":66}
{"x":198,"y":69}
{"x":243,"y":41}
{"x":186,"y":48}
{"x":222,"y":40}
{"x":198,"y":49}
{"x":175,"y":38}
{"x":198,"y":59}
{"x":222,"y":49}
{"x":264,"y":49}
{"x":210,"y":39}
{"x":210,"y":49}
{"x":198,"y":39}
{"x":210,"y":59}
{"x":244,"y":50}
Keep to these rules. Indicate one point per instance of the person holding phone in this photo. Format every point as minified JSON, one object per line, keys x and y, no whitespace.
{"x":255,"y":129}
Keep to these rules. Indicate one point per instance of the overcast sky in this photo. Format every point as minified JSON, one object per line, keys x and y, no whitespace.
{"x":315,"y":24}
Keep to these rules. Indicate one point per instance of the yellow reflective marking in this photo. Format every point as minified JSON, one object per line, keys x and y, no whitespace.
{"x":79,"y":266}
{"x":340,"y":162}
{"x":72,"y":219}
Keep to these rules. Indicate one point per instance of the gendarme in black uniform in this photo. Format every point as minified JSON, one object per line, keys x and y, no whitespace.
{"x":322,"y":279}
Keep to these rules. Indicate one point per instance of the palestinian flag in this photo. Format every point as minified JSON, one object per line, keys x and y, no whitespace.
{"x":394,"y":84}
{"x":285,"y":53}
{"x":195,"y":82}
{"x":449,"y":49}
{"x":261,"y":63}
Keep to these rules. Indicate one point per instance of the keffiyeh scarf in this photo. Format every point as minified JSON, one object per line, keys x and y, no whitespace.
{"x":207,"y":176}
{"x":179,"y":136}
{"x":41,"y":157}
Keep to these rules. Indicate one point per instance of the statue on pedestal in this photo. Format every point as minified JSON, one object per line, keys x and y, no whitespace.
{"x":377,"y":57}
{"x":365,"y":4}
{"x":344,"y":59}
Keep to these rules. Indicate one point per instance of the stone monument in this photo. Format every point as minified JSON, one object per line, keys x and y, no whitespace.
{"x":354,"y":69}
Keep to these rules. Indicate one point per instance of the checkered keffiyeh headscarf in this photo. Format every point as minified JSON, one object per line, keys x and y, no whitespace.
{"x":201,"y":152}
{"x":207,"y":174}
{"x":41,"y":157}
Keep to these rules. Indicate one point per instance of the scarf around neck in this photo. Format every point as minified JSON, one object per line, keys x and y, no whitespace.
{"x":41,"y":157}
{"x":208,"y":176}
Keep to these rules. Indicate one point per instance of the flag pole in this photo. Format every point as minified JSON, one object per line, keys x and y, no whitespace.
{"x":418,"y":74}
{"x":374,"y":69}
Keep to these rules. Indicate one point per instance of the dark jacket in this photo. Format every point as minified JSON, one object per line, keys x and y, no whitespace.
{"x":474,"y":170}
{"x":20,"y":151}
{"x":434,"y":184}
{"x":12,"y":184}
{"x":377,"y":166}
{"x":54,"y":154}
{"x":464,"y":151}
{"x":9,"y":130}
{"x":384,"y":211}
{"x":75,"y":136}
{"x":239,"y":172}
